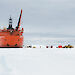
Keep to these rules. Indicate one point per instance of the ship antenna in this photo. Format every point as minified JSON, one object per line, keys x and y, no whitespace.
{"x":17,"y":27}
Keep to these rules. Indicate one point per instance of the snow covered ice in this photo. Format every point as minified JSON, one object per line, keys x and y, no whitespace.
{"x":23,"y":61}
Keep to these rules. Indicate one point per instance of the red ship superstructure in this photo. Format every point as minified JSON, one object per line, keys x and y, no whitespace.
{"x":12,"y":37}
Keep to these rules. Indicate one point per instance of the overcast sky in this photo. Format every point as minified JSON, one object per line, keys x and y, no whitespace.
{"x":40,"y":16}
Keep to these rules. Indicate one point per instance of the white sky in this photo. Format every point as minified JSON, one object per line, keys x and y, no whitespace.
{"x":40,"y":16}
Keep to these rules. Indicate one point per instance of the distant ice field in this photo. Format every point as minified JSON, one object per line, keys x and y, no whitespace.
{"x":23,"y":61}
{"x":49,"y":41}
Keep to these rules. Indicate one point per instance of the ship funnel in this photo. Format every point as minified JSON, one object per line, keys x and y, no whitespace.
{"x":17,"y":27}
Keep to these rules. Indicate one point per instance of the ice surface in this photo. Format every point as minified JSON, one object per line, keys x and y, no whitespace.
{"x":22,"y":61}
{"x":49,"y":41}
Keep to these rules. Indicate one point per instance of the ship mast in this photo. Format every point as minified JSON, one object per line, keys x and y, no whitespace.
{"x":10,"y":23}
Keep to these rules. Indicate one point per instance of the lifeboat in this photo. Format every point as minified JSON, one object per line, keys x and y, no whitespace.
{"x":12,"y":37}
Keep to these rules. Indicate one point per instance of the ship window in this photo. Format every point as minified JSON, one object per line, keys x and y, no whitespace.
{"x":7,"y":44}
{"x":5,"y":39}
{"x":15,"y":44}
{"x":17,"y":34}
{"x":18,"y":40}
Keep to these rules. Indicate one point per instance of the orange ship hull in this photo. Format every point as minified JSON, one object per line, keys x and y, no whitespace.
{"x":11,"y":41}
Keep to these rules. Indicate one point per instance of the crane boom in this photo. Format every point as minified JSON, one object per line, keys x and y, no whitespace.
{"x":19,"y":22}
